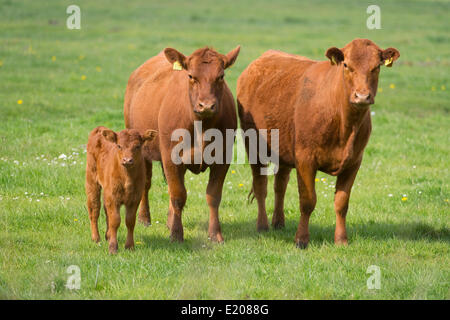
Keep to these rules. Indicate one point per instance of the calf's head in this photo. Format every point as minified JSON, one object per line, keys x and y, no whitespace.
{"x":361,"y":60}
{"x":204,"y":71}
{"x":129,"y":144}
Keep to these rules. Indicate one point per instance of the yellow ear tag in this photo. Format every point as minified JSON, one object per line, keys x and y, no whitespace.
{"x":388,"y":61}
{"x":333,"y":60}
{"x":177,"y":66}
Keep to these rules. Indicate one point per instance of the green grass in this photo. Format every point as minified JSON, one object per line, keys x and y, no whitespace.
{"x":408,"y":154}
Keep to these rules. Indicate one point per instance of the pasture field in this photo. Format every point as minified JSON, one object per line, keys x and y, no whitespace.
{"x":57,"y":84}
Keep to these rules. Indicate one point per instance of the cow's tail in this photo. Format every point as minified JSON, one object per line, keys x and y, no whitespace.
{"x":251,"y":196}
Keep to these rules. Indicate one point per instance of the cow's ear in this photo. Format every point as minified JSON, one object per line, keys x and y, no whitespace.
{"x":231,"y":57}
{"x":335,"y":55}
{"x":177,"y":59}
{"x":110,"y":135}
{"x":388,"y":56}
{"x":149,"y":135}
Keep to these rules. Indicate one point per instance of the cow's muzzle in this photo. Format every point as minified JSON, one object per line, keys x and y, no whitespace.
{"x":362,"y":99}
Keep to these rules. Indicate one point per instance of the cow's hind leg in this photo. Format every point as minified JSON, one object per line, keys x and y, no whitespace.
{"x":280,"y":185}
{"x":259,"y":188}
{"x":144,"y":210}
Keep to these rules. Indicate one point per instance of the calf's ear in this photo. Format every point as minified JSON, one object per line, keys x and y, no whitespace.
{"x":177,"y":59}
{"x":149,"y":135}
{"x":389,"y":55}
{"x":335,"y":55}
{"x":110,"y":135}
{"x":231,"y":57}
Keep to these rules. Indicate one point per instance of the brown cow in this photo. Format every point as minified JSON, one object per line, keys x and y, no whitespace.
{"x":322,"y":111}
{"x":115,"y":163}
{"x":169,"y":92}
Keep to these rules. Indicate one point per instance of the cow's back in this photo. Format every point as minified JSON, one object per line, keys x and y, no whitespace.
{"x":146,"y":90}
{"x":267,"y":92}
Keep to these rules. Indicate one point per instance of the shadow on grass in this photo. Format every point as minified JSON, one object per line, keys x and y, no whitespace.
{"x":409,"y":231}
{"x":325,"y":234}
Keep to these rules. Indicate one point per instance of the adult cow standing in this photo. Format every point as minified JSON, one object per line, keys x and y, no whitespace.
{"x":322,"y":111}
{"x":171,"y":91}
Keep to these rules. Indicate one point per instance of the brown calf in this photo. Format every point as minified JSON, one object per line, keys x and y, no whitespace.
{"x":170,"y":91}
{"x":322,"y":111}
{"x":115,"y":163}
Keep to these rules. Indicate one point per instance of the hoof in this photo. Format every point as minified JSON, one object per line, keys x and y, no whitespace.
{"x":96,"y":239}
{"x":177,"y":237}
{"x":278,"y":225}
{"x":341,"y":242}
{"x":301,"y":245}
{"x":129,"y":247}
{"x":113,"y":248}
{"x":145,"y":221}
{"x":216,"y":238}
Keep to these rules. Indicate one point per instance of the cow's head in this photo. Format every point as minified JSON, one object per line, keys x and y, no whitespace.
{"x":205,"y":74}
{"x":361,"y":60}
{"x":129,"y":144}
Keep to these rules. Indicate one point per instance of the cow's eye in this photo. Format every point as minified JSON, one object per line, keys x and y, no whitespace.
{"x":220,"y":78}
{"x":345,"y":65}
{"x":119,"y":146}
{"x":190,"y":76}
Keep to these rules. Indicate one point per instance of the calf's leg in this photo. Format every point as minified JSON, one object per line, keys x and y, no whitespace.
{"x":113,"y":212}
{"x":130,"y":220}
{"x":93,"y":203}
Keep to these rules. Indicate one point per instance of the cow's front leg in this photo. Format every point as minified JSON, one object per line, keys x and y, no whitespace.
{"x":344,"y":185}
{"x":307,"y":196}
{"x":113,"y":212}
{"x":217,"y":175}
{"x":178,"y":196}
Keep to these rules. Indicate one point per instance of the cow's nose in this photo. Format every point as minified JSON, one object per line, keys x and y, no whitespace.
{"x":206,"y":106}
{"x":127,"y":161}
{"x":362,"y":97}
